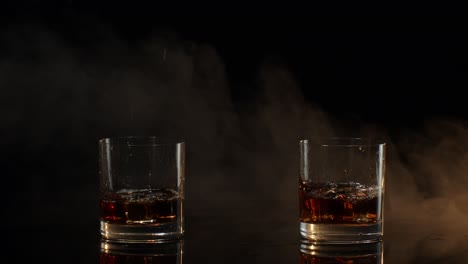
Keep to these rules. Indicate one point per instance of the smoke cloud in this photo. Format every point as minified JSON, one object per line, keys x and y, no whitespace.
{"x":58,"y":98}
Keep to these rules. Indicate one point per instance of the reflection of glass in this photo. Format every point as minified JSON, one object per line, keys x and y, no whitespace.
{"x":141,"y":189}
{"x":133,"y":253}
{"x":341,"y":189}
{"x":313,"y":253}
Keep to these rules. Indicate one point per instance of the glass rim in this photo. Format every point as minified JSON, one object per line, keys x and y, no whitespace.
{"x":344,"y":141}
{"x":142,"y":141}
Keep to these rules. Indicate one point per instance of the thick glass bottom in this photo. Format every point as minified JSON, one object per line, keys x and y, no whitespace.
{"x":341,"y":233}
{"x":141,"y":233}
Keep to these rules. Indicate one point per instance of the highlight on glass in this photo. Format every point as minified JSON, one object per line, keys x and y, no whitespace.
{"x":367,"y":253}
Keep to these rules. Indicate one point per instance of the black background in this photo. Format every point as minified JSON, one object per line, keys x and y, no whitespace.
{"x":242,"y":88}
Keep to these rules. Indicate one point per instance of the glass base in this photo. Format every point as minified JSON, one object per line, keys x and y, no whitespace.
{"x":119,"y":233}
{"x":341,"y":233}
{"x":312,"y":252}
{"x":147,"y":249}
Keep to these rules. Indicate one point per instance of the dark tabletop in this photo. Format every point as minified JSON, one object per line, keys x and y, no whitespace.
{"x":251,"y":232}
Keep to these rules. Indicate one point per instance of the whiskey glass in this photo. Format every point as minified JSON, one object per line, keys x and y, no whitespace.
{"x":341,"y":190}
{"x":141,"y":189}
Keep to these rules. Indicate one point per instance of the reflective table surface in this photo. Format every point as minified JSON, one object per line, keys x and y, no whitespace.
{"x":246,"y":234}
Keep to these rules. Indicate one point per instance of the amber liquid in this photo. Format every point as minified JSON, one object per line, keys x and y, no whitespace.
{"x":137,"y":207}
{"x":339,"y":203}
